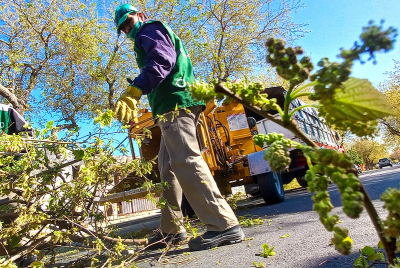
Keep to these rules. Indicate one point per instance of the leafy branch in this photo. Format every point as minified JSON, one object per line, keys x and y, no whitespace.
{"x":345,"y":103}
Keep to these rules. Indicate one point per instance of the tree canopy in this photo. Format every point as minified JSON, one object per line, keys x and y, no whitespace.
{"x":59,"y":57}
{"x":391,"y":130}
{"x":370,"y":151}
{"x":66,"y":58}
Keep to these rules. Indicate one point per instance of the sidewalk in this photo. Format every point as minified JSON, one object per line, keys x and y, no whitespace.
{"x":137,"y":221}
{"x":134,"y":216}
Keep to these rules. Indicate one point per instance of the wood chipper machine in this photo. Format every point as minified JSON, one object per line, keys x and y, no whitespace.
{"x":225,"y":137}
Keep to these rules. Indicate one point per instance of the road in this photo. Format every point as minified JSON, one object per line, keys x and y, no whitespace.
{"x":308,"y":244}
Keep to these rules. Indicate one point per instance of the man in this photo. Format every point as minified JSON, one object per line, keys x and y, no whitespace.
{"x":11,"y":122}
{"x":166,"y":71}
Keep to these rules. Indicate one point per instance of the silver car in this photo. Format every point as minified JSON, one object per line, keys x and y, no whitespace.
{"x":384,"y":162}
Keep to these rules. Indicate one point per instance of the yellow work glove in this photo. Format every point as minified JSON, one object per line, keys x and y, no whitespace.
{"x":134,"y":92}
{"x":126,"y":109}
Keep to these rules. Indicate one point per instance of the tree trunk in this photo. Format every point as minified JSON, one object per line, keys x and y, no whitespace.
{"x":10,"y":96}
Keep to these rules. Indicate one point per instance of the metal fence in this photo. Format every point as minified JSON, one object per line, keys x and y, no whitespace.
{"x":137,"y":205}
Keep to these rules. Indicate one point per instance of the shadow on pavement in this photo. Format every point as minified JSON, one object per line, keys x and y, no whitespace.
{"x":299,"y":200}
{"x":173,"y":256}
{"x":345,"y":261}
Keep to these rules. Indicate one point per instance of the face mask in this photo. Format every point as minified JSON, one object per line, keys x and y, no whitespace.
{"x":132,"y":34}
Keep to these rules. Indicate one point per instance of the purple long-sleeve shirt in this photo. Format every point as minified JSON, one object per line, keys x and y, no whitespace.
{"x":154,"y":39}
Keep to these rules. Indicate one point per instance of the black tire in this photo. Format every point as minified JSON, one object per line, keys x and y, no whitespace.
{"x":302,"y":181}
{"x":271,"y":187}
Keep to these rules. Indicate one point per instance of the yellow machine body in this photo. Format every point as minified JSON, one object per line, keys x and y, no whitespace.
{"x":233,"y":116}
{"x":224,"y":138}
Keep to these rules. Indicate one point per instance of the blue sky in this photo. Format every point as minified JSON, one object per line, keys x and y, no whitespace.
{"x":338,"y":23}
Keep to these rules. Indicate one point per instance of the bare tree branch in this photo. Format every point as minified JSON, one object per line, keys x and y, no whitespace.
{"x":8,"y":95}
{"x":390,"y":128}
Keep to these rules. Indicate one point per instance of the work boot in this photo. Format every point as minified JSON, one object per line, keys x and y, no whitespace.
{"x":212,"y":239}
{"x":160,"y":240}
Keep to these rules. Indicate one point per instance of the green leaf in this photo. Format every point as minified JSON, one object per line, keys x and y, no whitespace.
{"x":195,"y":232}
{"x":104,"y":118}
{"x":360,"y":262}
{"x":78,"y":154}
{"x":162,"y":202}
{"x":356,"y":107}
{"x":367,"y":251}
{"x":37,"y":264}
{"x":380,"y":244}
{"x":374,"y":257}
{"x":15,"y":240}
{"x":50,"y":124}
{"x":267,"y":252}
{"x":359,"y":101}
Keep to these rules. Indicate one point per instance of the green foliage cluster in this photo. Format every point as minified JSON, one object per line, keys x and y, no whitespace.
{"x":343,"y":102}
{"x":333,"y":76}
{"x":45,"y":205}
{"x":337,"y":167}
{"x":368,"y":254}
{"x":346,"y":103}
{"x":268,"y":139}
{"x":328,"y":164}
{"x":354,"y":156}
{"x":285,"y":60}
{"x":391,"y":197}
{"x":233,"y":199}
{"x":251,"y":92}
{"x":277,"y":154}
{"x":249,"y":221}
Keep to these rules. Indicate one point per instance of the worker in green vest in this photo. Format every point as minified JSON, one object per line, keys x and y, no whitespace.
{"x":165,"y":73}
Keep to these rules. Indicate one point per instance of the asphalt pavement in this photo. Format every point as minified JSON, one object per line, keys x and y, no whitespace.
{"x":307,"y":244}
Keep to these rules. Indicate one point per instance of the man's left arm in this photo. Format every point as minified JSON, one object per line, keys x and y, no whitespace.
{"x":155,"y":41}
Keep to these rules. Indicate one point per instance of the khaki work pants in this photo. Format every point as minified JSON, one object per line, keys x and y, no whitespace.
{"x":183,"y":167}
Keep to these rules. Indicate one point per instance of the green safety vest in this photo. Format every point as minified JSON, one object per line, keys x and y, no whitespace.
{"x":4,"y":118}
{"x":172,"y":91}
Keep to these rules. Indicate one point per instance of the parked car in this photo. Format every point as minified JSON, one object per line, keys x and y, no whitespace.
{"x":384,"y":162}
